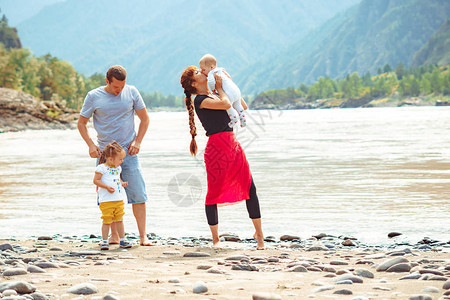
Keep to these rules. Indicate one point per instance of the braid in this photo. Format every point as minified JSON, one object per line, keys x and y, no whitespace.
{"x":193,"y":129}
{"x":186,"y":82}
{"x":110,"y":150}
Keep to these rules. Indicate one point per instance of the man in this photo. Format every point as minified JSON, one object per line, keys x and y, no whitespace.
{"x":112,"y":108}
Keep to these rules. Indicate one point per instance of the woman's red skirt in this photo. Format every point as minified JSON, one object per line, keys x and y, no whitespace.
{"x":227,"y":170}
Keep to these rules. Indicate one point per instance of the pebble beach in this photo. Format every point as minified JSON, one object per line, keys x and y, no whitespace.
{"x":320,"y":267}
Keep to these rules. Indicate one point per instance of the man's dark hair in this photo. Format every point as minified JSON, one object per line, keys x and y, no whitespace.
{"x":118,"y":72}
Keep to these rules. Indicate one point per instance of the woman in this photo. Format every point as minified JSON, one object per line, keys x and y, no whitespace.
{"x":228,"y":173}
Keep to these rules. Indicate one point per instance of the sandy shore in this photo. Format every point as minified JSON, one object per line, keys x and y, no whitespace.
{"x":164,"y":271}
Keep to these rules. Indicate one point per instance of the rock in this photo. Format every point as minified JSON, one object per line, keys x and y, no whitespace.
{"x":398,"y":268}
{"x":244,"y":267}
{"x":353,"y":278}
{"x":196,"y":254}
{"x":381,"y":288}
{"x":320,"y":236}
{"x":83,"y":289}
{"x":174,"y":252}
{"x":9,"y":293}
{"x":22,"y":287}
{"x":343,"y":292}
{"x":348,"y":281}
{"x":297,"y":269}
{"x":323,"y":288}
{"x":288,"y":237}
{"x":348,"y":243}
{"x":4,"y":247}
{"x":216,"y":271}
{"x":363,"y":273}
{"x":360,"y":298}
{"x":446,"y":285}
{"x":85,"y":253}
{"x":393,"y":234}
{"x":317,"y":248}
{"x":38,"y":296}
{"x":45,"y":238}
{"x":204,"y":267}
{"x":199,"y":287}
{"x":46,"y":265}
{"x":35,"y":269}
{"x":266,"y":296}
{"x":110,"y":297}
{"x":389,"y":263}
{"x":231,"y":238}
{"x":411,"y":276}
{"x":237,"y":257}
{"x":430,"y":289}
{"x":174,"y":280}
{"x":14,"y":272}
{"x":438,"y":278}
{"x":420,"y":297}
{"x":430,"y":271}
{"x":338,"y":263}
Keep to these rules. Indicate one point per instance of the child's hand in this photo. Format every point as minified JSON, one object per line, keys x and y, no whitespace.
{"x":125,"y":184}
{"x":110,"y":189}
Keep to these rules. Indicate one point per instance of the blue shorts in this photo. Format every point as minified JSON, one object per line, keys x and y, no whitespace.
{"x":131,"y":172}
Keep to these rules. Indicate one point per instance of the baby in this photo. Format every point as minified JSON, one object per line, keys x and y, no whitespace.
{"x":208,"y":65}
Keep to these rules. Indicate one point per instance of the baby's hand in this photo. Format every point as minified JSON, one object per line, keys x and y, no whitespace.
{"x":125,"y":184}
{"x":110,"y":189}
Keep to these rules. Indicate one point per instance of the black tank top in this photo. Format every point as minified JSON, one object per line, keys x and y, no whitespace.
{"x":213,"y":120}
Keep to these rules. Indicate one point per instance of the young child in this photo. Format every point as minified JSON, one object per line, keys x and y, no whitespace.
{"x":111,"y":192}
{"x":208,"y":65}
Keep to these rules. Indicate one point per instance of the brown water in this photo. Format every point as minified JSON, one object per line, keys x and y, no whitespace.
{"x":359,"y":172}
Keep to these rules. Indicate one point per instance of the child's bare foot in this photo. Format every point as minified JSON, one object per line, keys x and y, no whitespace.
{"x":114,"y":240}
{"x":260,"y":242}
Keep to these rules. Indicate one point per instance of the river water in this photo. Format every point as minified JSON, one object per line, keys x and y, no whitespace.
{"x":358,"y":172}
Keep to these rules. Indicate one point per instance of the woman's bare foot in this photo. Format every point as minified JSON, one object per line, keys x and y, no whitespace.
{"x":260,"y":241}
{"x":146,"y":243}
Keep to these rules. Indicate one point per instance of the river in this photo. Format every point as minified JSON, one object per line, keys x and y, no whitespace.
{"x":357,"y":172}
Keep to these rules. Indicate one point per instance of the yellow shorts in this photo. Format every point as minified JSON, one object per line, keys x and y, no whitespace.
{"x":112,"y":211}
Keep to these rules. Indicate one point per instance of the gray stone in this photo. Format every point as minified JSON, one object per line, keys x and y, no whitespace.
{"x":348,"y":243}
{"x":22,"y":287}
{"x":204,"y":267}
{"x":446,"y":285}
{"x":110,"y":297}
{"x":199,"y":287}
{"x":297,"y":269}
{"x":174,"y":280}
{"x":399,"y":268}
{"x":174,"y":252}
{"x":363,"y":273}
{"x":35,"y":269}
{"x":237,"y":257}
{"x":14,"y":272}
{"x":391,"y":262}
{"x":430,"y":289}
{"x":215,"y":271}
{"x":196,"y":254}
{"x":83,"y":289}
{"x":411,"y":276}
{"x":338,"y":263}
{"x":323,"y":288}
{"x":381,"y":288}
{"x":438,"y":278}
{"x":347,"y":281}
{"x":430,"y":271}
{"x":244,"y":267}
{"x":317,"y":248}
{"x":38,"y":296}
{"x":353,"y":278}
{"x":288,"y":237}
{"x":360,"y":298}
{"x":420,"y":297}
{"x":375,"y":256}
{"x":266,"y":296}
{"x":85,"y":253}
{"x":46,"y":265}
{"x":343,"y":292}
{"x":45,"y":238}
{"x":7,"y":246}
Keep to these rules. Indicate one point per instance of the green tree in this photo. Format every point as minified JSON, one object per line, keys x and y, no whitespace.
{"x":400,"y":70}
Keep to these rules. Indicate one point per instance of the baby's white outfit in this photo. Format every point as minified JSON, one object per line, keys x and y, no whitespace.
{"x":234,"y":94}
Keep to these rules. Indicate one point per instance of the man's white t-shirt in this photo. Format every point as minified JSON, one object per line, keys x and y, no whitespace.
{"x":111,"y":177}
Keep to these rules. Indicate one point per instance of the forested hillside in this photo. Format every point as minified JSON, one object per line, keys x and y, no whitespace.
{"x":362,"y":40}
{"x":436,"y":50}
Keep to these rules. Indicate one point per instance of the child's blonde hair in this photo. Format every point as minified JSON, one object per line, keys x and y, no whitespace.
{"x":111,"y":150}
{"x":208,"y":60}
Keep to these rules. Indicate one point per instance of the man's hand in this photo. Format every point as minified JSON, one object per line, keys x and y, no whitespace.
{"x":110,"y":189}
{"x":94,"y":151}
{"x":134,"y":148}
{"x":125,"y":184}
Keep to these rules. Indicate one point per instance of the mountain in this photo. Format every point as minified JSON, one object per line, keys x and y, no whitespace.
{"x":20,"y":10}
{"x":436,"y":50}
{"x":362,"y":39}
{"x":155,"y":40}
